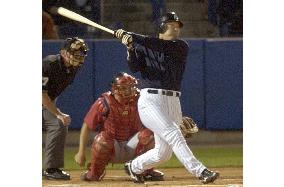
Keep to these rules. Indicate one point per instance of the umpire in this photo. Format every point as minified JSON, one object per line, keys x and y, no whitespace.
{"x":58,"y":71}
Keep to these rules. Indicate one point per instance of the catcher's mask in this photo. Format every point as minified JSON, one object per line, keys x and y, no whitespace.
{"x":124,"y":86}
{"x":76,"y":50}
{"x":169,"y":17}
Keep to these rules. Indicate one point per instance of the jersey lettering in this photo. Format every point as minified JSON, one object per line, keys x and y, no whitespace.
{"x":153,"y":59}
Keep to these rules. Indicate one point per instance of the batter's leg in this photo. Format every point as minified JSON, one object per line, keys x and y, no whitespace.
{"x":156,"y":118}
{"x":147,"y":142}
{"x":152,"y":158}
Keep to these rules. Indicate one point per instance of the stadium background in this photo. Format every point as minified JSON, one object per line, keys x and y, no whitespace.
{"x":211,"y":88}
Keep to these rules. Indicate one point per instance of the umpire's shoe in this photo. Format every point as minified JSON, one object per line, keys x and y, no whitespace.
{"x":208,"y":176}
{"x":55,"y":174}
{"x":135,"y":177}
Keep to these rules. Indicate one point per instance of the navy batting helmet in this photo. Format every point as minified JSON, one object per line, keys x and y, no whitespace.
{"x":169,"y":17}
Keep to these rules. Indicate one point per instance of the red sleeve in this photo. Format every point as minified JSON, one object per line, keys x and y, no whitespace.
{"x":96,"y":115}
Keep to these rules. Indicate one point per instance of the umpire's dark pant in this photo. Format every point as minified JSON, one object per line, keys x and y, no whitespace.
{"x":55,"y":140}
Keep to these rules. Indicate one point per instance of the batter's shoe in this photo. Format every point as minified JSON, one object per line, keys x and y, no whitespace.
{"x":153,"y":175}
{"x":208,"y":176}
{"x":55,"y":174}
{"x":137,"y":178}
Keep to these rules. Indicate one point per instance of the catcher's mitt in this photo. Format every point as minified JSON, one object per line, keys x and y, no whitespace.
{"x":188,"y":127}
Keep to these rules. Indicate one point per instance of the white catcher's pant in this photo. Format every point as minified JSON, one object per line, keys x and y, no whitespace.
{"x":162,"y":114}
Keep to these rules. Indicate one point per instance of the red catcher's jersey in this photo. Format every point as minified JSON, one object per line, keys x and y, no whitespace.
{"x":120,"y":121}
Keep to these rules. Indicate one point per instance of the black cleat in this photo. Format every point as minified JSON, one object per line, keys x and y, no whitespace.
{"x":55,"y":174}
{"x":208,"y":176}
{"x":135,"y":177}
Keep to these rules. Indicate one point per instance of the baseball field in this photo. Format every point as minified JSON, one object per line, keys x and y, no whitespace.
{"x":228,"y":160}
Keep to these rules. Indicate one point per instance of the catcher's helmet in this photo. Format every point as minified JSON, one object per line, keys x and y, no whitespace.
{"x":124,"y":85}
{"x":169,"y":17}
{"x":77,"y":50}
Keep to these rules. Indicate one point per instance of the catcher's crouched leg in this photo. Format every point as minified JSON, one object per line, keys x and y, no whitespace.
{"x":102,"y":151}
{"x":146,"y":142}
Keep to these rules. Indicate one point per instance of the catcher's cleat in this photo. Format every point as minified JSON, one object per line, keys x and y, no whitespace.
{"x":153,"y":175}
{"x":208,"y":176}
{"x":55,"y":174}
{"x":135,"y":177}
{"x":84,"y":177}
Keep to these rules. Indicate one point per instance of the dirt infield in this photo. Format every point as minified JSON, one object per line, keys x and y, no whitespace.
{"x":175,"y":177}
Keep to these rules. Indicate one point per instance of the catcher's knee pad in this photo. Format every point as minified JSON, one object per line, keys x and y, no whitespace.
{"x":102,"y":151}
{"x":146,"y":141}
{"x":103,"y":144}
{"x":145,"y":136}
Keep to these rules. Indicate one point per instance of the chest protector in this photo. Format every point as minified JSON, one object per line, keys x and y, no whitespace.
{"x":122,"y":120}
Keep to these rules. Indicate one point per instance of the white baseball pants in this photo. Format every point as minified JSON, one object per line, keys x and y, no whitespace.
{"x":162,"y":115}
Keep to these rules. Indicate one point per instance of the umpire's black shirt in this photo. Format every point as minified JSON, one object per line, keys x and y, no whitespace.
{"x":56,"y":76}
{"x":161,"y":62}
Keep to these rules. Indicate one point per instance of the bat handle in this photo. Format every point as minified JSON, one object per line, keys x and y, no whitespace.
{"x":124,"y":33}
{"x":114,"y":35}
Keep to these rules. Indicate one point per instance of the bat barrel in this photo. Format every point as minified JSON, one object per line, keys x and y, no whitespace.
{"x":77,"y":17}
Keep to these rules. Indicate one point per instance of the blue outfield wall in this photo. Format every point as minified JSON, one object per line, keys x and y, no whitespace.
{"x":110,"y":59}
{"x":211,"y":88}
{"x":192,"y":98}
{"x":224,"y":84}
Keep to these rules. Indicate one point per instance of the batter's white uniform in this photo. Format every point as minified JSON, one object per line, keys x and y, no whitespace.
{"x":161,"y":64}
{"x":162,"y":115}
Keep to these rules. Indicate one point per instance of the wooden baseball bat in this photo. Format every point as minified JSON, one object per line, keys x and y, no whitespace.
{"x":77,"y":17}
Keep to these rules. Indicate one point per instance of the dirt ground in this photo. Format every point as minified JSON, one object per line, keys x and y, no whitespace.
{"x":174,"y":177}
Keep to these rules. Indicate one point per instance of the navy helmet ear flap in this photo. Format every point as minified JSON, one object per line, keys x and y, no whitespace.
{"x":162,"y":28}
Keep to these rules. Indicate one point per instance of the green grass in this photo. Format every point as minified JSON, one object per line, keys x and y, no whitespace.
{"x":209,"y":156}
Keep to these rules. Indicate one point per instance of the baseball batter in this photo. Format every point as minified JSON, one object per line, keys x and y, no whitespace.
{"x":161,"y":62}
{"x":121,"y":135}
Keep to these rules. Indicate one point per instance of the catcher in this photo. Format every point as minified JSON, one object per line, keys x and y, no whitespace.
{"x":121,"y":135}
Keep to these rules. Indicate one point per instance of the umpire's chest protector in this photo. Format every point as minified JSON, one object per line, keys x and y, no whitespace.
{"x":123,"y":120}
